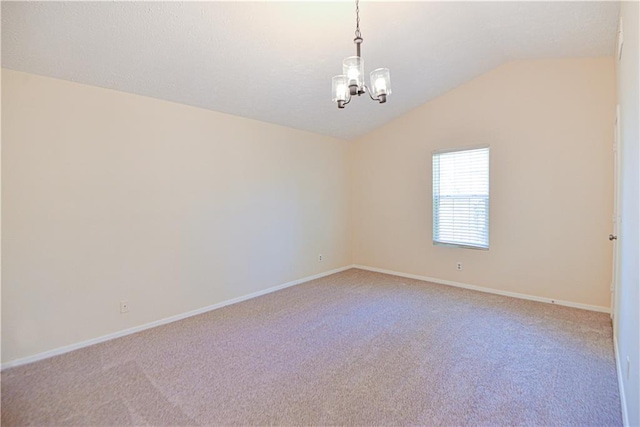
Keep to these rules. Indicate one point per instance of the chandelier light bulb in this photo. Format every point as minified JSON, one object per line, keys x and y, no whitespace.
{"x":340,"y":90}
{"x":380,"y":82}
{"x":353,"y":68}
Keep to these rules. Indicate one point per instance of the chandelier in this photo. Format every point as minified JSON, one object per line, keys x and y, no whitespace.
{"x":351,"y":81}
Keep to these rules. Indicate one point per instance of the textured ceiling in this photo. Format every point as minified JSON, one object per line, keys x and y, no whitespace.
{"x":273,"y":61}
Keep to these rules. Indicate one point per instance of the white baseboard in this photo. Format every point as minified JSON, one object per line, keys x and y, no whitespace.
{"x":623,"y":399}
{"x":76,"y":346}
{"x":488,"y":290}
{"x":71,"y":347}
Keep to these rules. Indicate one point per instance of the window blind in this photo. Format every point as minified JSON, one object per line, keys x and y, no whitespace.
{"x":461,"y":198}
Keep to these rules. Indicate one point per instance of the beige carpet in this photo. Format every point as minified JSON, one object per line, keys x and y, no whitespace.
{"x":355,"y":348}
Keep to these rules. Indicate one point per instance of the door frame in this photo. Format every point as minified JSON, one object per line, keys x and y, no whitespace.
{"x":616,"y":216}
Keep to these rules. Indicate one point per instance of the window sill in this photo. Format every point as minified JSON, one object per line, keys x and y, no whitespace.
{"x":457,"y":245}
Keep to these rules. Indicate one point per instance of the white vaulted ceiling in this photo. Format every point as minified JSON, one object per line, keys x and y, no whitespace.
{"x":273,"y":61}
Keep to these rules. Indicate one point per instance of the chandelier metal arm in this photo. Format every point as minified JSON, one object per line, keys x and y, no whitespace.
{"x":341,"y":104}
{"x":369,"y":93}
{"x":381,"y":98}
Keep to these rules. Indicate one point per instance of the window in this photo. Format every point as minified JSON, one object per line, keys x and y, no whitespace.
{"x":461,"y":198}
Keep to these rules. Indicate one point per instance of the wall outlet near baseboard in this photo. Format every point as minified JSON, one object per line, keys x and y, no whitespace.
{"x":124,"y":306}
{"x":320,"y":258}
{"x":459,"y":266}
{"x":628,"y":368}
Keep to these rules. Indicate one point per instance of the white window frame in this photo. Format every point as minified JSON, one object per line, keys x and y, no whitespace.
{"x":435,"y":205}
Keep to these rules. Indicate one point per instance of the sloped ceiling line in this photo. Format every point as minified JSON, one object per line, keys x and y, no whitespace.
{"x":273,"y":61}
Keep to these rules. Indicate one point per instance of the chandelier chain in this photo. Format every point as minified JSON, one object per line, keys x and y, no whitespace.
{"x":358,"y":34}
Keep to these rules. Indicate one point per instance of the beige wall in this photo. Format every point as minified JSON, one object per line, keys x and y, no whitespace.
{"x":110,"y":196}
{"x":549,"y":124}
{"x":627,"y":316}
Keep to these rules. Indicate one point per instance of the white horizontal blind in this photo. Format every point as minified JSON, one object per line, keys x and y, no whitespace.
{"x":461,"y":198}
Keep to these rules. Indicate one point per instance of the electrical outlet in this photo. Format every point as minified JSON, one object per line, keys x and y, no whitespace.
{"x":320,"y":258}
{"x":628,"y":367}
{"x":124,"y":306}
{"x":459,"y":266}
